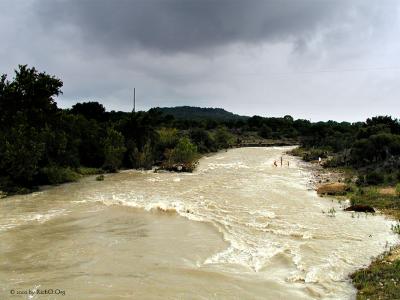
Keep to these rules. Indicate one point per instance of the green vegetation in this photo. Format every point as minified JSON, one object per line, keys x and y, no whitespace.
{"x":184,"y":152}
{"x":114,"y":149}
{"x":372,"y":196}
{"x":311,"y":154}
{"x":396,"y":228}
{"x":100,"y":177}
{"x":56,"y":174}
{"x":89,"y":171}
{"x":398,"y":189}
{"x":183,"y":157}
{"x":380,"y":281}
{"x":43,"y":144}
{"x":331,"y":212}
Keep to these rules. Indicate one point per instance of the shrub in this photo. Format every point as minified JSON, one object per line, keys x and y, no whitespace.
{"x":374,"y":178}
{"x":265,"y":132}
{"x":184,"y":152}
{"x":223,"y":138}
{"x":89,"y":171}
{"x":143,"y":159}
{"x":55,"y":175}
{"x":297,"y":151}
{"x":203,"y":140}
{"x":167,"y":137}
{"x":389,"y":179}
{"x":371,"y":192}
{"x":333,"y":162}
{"x":360,"y":181}
{"x":398,"y":189}
{"x":314,"y":154}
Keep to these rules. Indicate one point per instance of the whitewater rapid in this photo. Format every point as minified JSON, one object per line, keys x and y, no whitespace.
{"x":249,"y":231}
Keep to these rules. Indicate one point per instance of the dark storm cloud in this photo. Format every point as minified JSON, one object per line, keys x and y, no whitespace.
{"x":185,"y":25}
{"x":307,"y":58}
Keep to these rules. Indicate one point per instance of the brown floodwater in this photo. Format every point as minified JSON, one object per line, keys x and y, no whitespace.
{"x":236,"y":228}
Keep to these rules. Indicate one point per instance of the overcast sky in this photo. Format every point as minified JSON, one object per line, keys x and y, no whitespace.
{"x":312,"y":59}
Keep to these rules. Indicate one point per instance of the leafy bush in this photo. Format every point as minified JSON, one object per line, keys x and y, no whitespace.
{"x":333,"y":162}
{"x":314,"y":154}
{"x":297,"y":151}
{"x":89,"y":171}
{"x":223,"y":138}
{"x":55,"y":175}
{"x":265,"y":132}
{"x":203,"y":140}
{"x":374,"y":178}
{"x":184,"y":152}
{"x":21,"y":150}
{"x":143,"y":159}
{"x":398,"y":189}
{"x":167,"y":137}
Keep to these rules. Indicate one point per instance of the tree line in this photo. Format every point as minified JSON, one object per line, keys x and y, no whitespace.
{"x":43,"y":144}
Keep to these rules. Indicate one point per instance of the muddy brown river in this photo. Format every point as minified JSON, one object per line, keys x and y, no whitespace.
{"x":236,"y":228}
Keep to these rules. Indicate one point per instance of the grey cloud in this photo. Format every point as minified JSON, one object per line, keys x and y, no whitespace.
{"x":271,"y":57}
{"x":188,"y":25}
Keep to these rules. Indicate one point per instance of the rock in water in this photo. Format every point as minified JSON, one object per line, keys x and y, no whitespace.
{"x":361,"y":208}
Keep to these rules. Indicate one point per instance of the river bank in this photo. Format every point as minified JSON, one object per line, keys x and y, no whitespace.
{"x":380,"y":279}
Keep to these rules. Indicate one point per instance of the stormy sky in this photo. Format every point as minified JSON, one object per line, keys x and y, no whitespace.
{"x":312,"y":59}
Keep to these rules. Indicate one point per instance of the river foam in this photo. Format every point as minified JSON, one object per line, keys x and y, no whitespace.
{"x":275,"y":227}
{"x":263,"y":215}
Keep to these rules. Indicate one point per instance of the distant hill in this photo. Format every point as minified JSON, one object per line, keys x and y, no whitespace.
{"x":200,"y":113}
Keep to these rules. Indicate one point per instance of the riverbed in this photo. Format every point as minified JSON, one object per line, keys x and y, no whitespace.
{"x":236,"y":228}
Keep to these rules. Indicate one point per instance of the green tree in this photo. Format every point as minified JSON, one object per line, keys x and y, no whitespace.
{"x":114,"y":148}
{"x":223,"y":138}
{"x":27,"y":113}
{"x":202,"y":139}
{"x":21,"y":150}
{"x":30,"y":95}
{"x":184,"y":152}
{"x":90,"y":110}
{"x":265,"y":132}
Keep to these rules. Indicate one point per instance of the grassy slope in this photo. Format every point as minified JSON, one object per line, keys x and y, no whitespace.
{"x":381,"y":280}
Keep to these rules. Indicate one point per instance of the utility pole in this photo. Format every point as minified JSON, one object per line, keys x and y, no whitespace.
{"x":134,"y":99}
